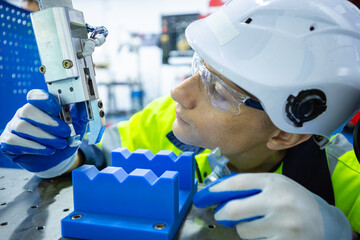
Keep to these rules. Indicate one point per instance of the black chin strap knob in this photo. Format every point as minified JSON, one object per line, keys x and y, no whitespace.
{"x":306,"y":106}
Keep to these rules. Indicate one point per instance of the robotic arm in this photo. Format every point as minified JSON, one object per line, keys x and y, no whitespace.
{"x":65,"y":51}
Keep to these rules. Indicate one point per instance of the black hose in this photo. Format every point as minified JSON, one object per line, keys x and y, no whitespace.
{"x":96,"y":30}
{"x":356,"y":135}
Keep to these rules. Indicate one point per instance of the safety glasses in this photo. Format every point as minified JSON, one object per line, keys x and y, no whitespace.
{"x":222,"y":96}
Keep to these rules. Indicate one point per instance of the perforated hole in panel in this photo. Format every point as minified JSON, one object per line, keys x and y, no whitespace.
{"x":19,"y":60}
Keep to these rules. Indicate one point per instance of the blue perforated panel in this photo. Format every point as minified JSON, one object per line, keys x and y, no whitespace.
{"x":19,"y":63}
{"x":19,"y":60}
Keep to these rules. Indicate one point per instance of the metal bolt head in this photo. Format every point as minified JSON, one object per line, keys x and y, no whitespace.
{"x":159,"y":226}
{"x":76,"y":216}
{"x":100,"y":104}
{"x":67,"y":63}
{"x":42,"y":69}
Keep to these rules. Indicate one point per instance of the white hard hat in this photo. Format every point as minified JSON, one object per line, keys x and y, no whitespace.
{"x":300,"y":58}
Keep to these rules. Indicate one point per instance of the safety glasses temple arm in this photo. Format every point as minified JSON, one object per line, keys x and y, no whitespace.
{"x":253,"y":103}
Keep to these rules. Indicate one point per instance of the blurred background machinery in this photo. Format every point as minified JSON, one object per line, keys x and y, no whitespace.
{"x":19,"y":63}
{"x":19,"y":60}
{"x":172,"y":41}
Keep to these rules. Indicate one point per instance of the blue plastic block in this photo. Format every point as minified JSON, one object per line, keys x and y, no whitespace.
{"x":159,"y":163}
{"x":141,"y":196}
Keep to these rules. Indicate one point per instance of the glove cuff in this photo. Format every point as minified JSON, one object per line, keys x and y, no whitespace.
{"x":59,"y":169}
{"x":336,"y":225}
{"x":93,"y":154}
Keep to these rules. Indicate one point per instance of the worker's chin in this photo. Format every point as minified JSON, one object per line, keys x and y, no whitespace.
{"x":183,"y":133}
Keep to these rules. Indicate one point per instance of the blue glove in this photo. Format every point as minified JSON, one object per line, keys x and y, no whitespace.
{"x":36,"y":138}
{"x":272,"y":206}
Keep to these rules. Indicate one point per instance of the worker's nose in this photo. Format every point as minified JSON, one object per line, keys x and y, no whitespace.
{"x":187,"y":93}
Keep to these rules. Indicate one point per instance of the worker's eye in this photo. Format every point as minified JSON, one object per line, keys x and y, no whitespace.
{"x":220,"y":92}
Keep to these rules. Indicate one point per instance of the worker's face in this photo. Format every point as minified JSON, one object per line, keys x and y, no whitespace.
{"x":199,"y":123}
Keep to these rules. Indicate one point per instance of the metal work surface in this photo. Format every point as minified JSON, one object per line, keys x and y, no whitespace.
{"x":32,"y":208}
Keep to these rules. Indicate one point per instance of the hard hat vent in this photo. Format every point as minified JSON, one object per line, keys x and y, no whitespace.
{"x":248,"y":21}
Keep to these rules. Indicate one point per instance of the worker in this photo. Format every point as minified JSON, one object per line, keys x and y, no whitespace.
{"x":31,"y":5}
{"x":273,"y":84}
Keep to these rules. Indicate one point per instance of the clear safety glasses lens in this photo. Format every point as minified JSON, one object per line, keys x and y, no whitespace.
{"x":222,"y":96}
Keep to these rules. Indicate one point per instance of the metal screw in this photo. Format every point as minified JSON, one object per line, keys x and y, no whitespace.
{"x":67,"y":63}
{"x":100,"y":104}
{"x":77,"y":216}
{"x":102,"y":114}
{"x":159,"y":226}
{"x":42,"y":69}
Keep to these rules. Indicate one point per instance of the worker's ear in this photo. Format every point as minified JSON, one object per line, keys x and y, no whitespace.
{"x":281,"y":140}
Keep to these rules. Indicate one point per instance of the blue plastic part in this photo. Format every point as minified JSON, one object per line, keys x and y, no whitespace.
{"x":141,"y":196}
